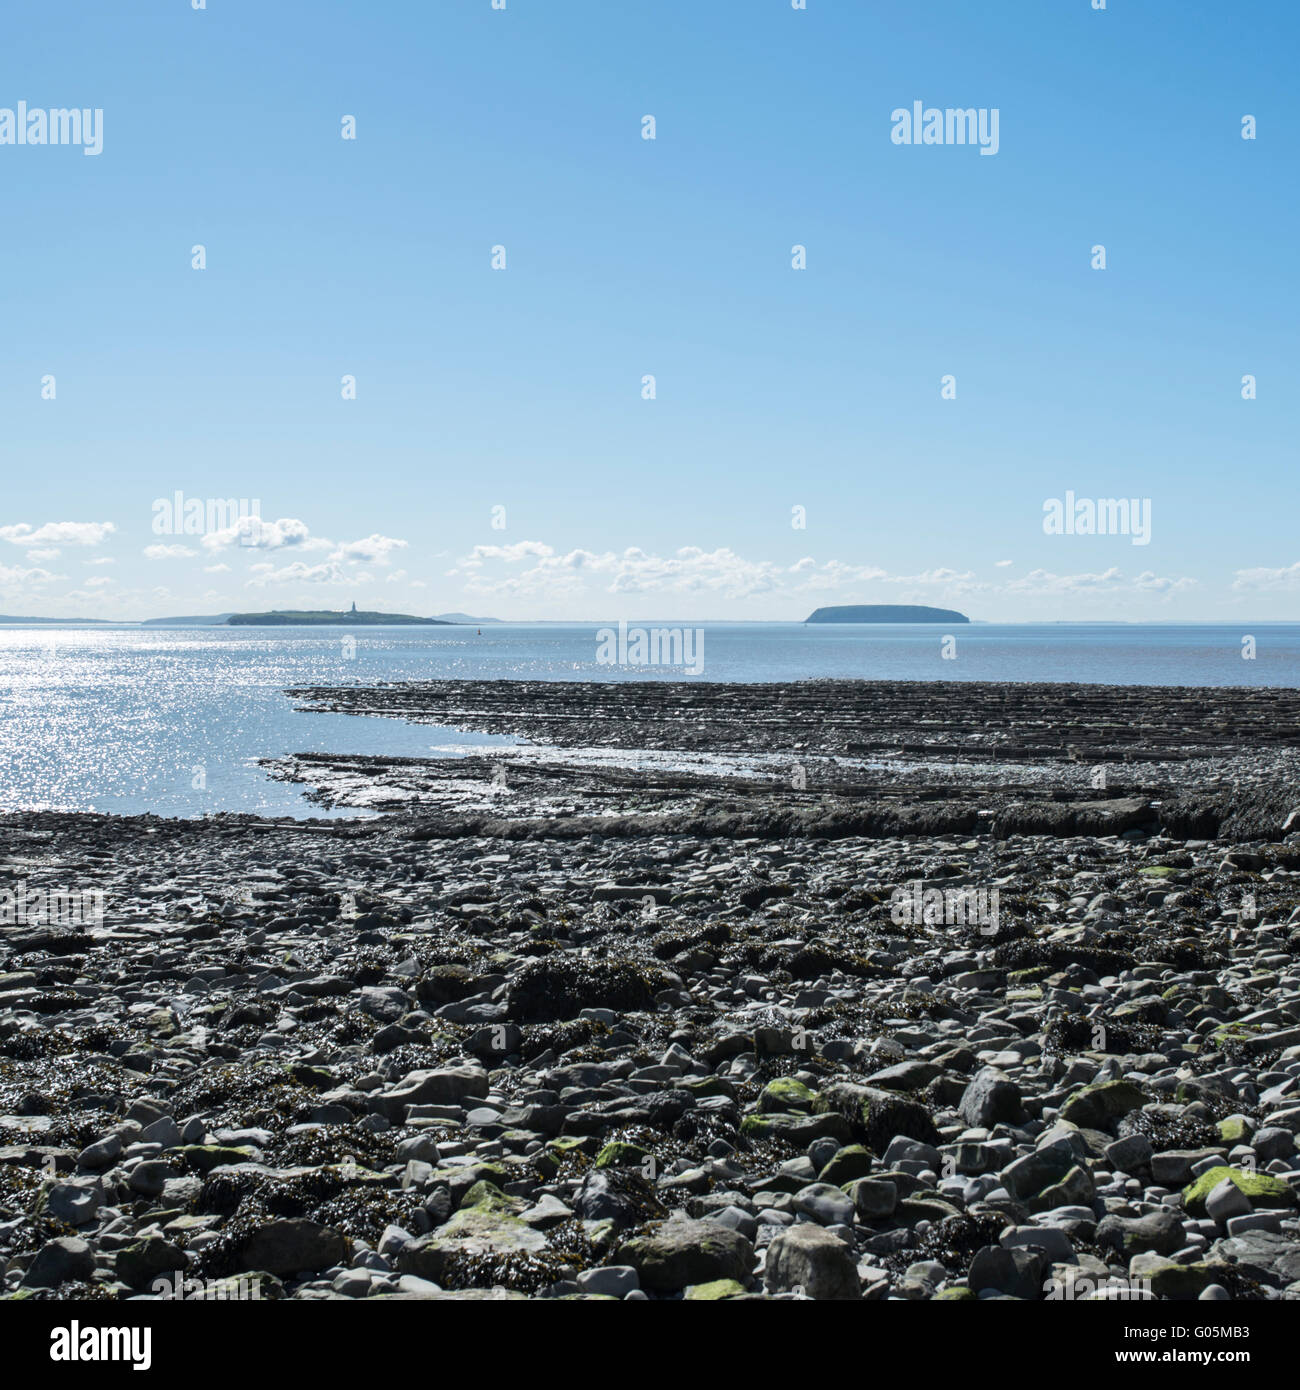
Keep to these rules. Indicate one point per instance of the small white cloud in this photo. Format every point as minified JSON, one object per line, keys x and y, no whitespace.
{"x":167,"y":552}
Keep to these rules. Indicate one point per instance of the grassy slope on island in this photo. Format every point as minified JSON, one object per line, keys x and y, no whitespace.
{"x":322,"y":618}
{"x":200,"y":620}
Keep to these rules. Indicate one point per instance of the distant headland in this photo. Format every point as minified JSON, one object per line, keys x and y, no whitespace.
{"x":80,"y":622}
{"x":276,"y":618}
{"x":886,"y":613}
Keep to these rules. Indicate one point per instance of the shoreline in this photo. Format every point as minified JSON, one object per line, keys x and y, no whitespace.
{"x":938,"y":1019}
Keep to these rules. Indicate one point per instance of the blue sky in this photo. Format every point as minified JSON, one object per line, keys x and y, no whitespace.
{"x":775,"y":388}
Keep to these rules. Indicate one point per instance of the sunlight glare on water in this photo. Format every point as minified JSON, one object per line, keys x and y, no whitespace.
{"x":173,"y":719}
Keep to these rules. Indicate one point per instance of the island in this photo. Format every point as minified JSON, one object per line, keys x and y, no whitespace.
{"x":886,"y":613}
{"x":322,"y":618}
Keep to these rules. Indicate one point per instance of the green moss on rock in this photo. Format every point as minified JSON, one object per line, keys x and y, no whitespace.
{"x":1263,"y":1189}
{"x":785,"y":1094}
{"x":850,"y":1163}
{"x":618,"y":1154}
{"x":714,"y":1290}
{"x":1236,"y":1129}
{"x":488,"y":1196}
{"x":799,"y":1130}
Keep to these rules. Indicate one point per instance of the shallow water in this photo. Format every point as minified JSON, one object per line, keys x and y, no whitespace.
{"x":173,"y":720}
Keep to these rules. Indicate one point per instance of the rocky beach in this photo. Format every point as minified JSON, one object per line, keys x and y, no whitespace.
{"x":828,"y":990}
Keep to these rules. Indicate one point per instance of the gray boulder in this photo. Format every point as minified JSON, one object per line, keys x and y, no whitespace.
{"x":679,"y":1253}
{"x":991,"y":1098}
{"x":58,"y":1262}
{"x":808,"y":1258}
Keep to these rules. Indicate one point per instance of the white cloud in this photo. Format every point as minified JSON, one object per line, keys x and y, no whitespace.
{"x":167,"y":552}
{"x":1045,"y":582}
{"x":520,"y":550}
{"x":253,"y":533}
{"x":533,"y":570}
{"x":688,"y":570}
{"x":833,"y":575}
{"x":1107,"y":582}
{"x":297,"y":573}
{"x":938,"y":576}
{"x":1285,"y":577}
{"x":1156,"y":584}
{"x":10,"y":574}
{"x":58,"y":533}
{"x":373,"y":549}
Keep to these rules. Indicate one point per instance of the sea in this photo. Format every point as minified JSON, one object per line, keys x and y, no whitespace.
{"x":173,"y":720}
